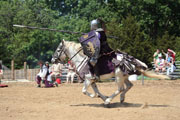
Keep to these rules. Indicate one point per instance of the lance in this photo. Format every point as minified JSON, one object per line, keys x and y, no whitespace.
{"x":55,"y":30}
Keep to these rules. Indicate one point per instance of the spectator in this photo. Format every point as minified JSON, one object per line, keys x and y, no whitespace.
{"x":172,"y":54}
{"x":170,"y":64}
{"x":56,"y":70}
{"x":48,"y":81}
{"x":160,"y":64}
{"x":71,"y":72}
{"x":155,"y":56}
{"x":165,"y":54}
{"x":42,"y":73}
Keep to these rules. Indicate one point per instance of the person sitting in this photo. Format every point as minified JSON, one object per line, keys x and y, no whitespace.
{"x":48,"y":81}
{"x":56,"y":71}
{"x":160,"y":64}
{"x":170,"y":64}
{"x":71,"y":72}
{"x":155,"y":56}
{"x":41,"y":76}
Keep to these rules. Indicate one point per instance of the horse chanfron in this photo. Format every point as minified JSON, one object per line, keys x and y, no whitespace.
{"x":60,"y":53}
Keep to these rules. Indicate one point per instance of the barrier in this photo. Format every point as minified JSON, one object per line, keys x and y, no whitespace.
{"x":30,"y":74}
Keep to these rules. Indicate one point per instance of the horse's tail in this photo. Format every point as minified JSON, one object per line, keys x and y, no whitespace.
{"x":152,"y":74}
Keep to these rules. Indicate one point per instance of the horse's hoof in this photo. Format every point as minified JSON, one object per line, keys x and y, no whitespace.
{"x":98,"y":96}
{"x":107,"y":101}
{"x":121,"y":101}
{"x":122,"y":98}
{"x":93,"y":95}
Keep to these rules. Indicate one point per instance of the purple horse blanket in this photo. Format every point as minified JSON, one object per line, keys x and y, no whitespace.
{"x":107,"y":64}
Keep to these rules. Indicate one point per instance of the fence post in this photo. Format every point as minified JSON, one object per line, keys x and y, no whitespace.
{"x":25,"y":70}
{"x":142,"y":79}
{"x":12,"y":70}
{"x":1,"y":70}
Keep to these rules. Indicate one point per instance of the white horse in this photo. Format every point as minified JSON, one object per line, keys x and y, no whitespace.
{"x":73,"y":51}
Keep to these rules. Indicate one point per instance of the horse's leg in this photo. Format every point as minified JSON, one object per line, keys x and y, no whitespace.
{"x":128,"y":86}
{"x":120,"y":78}
{"x":95,"y":88}
{"x":87,"y":83}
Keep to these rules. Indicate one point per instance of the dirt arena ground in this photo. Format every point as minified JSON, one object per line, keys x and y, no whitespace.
{"x":156,"y":100}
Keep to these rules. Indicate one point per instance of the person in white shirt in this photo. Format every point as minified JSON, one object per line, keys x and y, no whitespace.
{"x":42,"y":73}
{"x":71,"y":72}
{"x":56,"y":71}
{"x":160,"y":64}
{"x":48,"y":81}
{"x":170,"y":64}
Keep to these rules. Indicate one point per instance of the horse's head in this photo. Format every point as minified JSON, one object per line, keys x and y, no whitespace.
{"x":60,"y":54}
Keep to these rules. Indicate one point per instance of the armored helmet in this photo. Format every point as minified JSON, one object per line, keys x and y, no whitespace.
{"x":97,"y":23}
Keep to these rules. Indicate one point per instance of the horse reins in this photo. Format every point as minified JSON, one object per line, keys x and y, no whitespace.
{"x":63,"y":50}
{"x":76,"y":53}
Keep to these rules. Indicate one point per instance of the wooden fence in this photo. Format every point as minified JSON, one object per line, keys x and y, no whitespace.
{"x":16,"y":74}
{"x":29,"y":74}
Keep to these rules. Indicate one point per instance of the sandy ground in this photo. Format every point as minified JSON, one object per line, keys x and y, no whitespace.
{"x":23,"y":101}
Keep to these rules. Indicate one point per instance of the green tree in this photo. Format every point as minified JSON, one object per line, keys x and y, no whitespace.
{"x":166,"y":41}
{"x":141,"y":25}
{"x":132,"y":39}
{"x":23,"y":44}
{"x":155,"y":16}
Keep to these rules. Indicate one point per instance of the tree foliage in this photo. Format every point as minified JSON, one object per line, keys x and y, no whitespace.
{"x":141,"y":26}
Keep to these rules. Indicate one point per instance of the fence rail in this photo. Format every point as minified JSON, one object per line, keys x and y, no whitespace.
{"x":30,"y":74}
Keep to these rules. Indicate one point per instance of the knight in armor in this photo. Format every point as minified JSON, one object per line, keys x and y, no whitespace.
{"x":103,"y":59}
{"x":105,"y":51}
{"x":99,"y":26}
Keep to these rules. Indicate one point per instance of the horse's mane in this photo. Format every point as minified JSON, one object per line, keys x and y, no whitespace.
{"x":76,"y":46}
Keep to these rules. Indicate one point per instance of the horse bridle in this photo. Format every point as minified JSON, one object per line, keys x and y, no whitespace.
{"x":62,"y":49}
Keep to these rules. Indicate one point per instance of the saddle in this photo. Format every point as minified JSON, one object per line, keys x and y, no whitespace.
{"x":107,"y":64}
